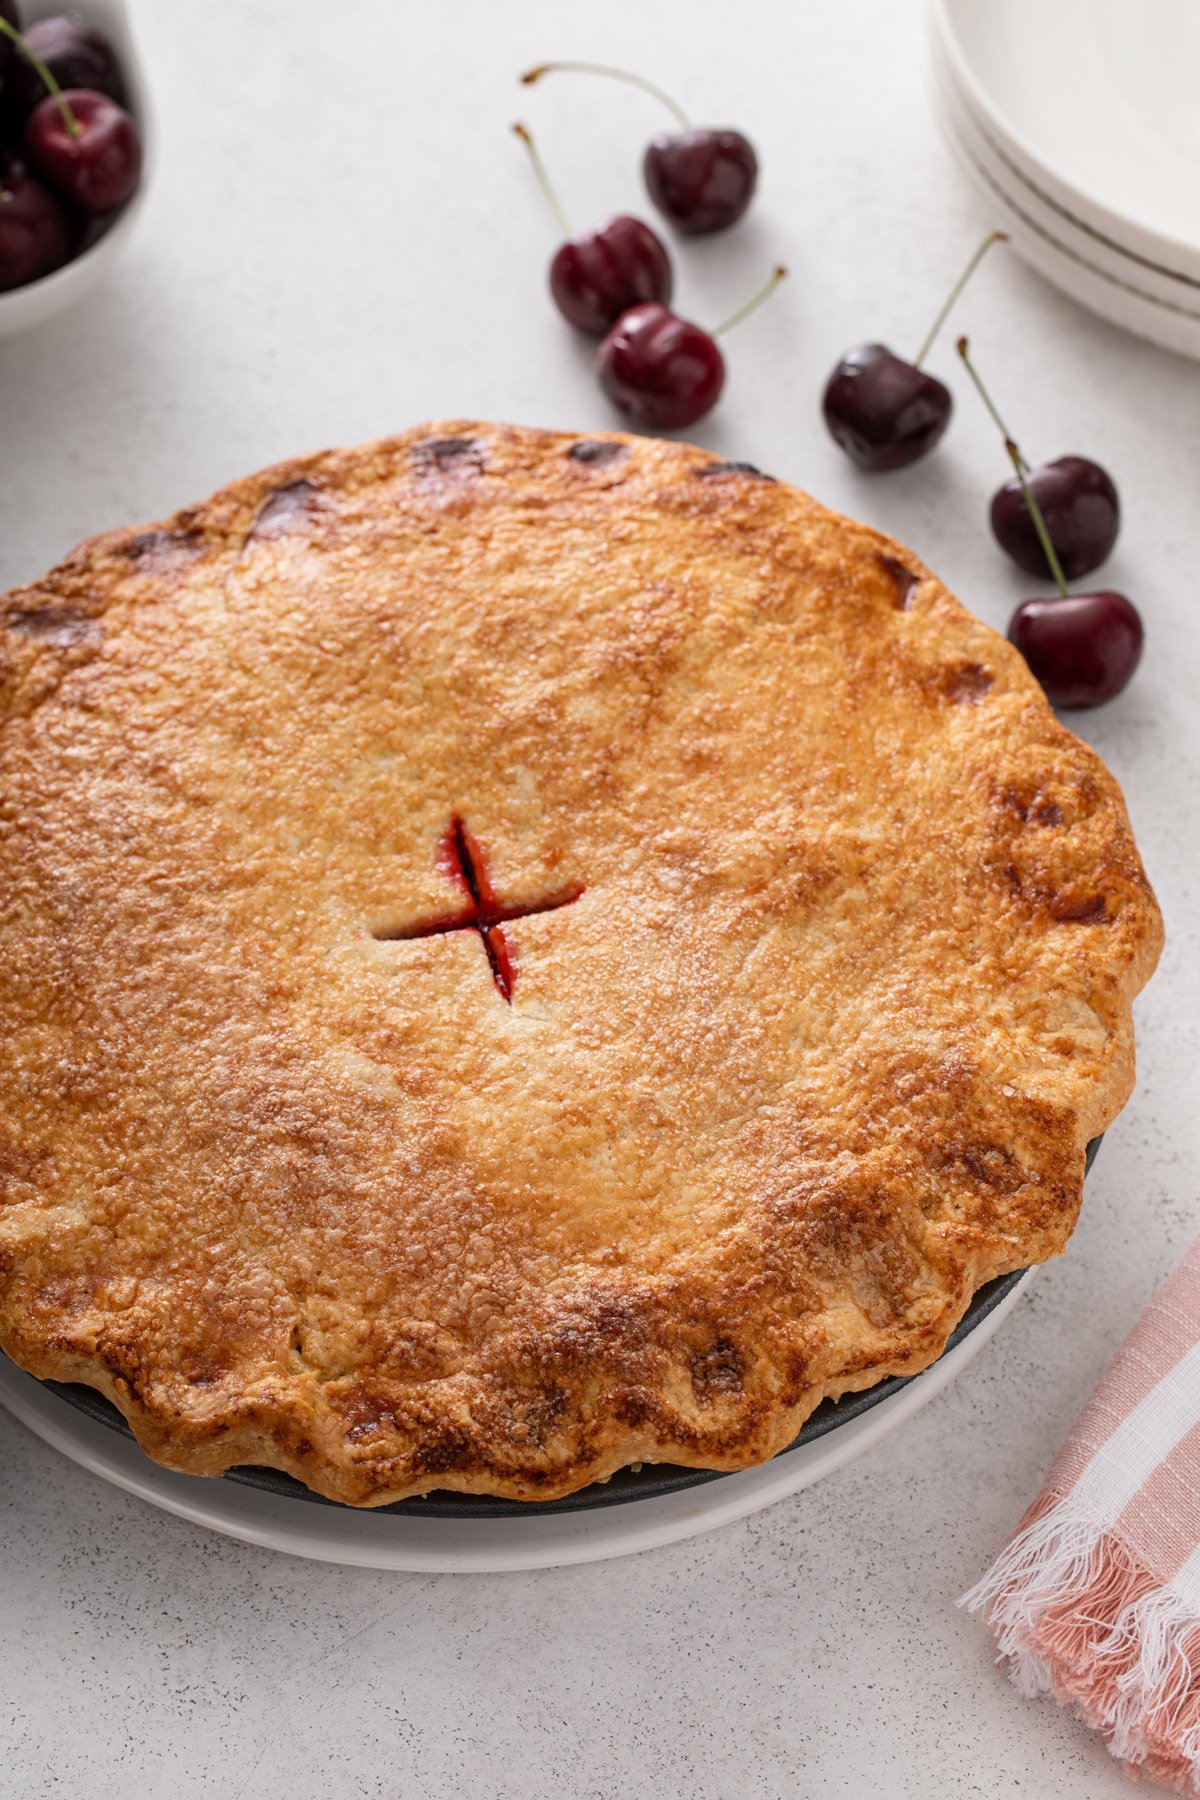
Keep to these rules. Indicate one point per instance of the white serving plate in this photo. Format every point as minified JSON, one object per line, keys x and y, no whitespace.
{"x":1097,"y":98}
{"x":1027,"y":195}
{"x":41,"y":300}
{"x":1118,"y":287}
{"x":1049,"y":107}
{"x":472,"y":1546}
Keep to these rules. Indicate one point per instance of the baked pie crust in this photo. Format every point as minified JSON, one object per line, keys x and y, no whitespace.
{"x":523,"y":954}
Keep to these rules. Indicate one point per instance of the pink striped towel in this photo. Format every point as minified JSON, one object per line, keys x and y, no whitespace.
{"x":1097,"y":1598}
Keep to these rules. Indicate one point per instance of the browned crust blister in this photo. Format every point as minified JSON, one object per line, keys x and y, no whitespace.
{"x":814,"y":1053}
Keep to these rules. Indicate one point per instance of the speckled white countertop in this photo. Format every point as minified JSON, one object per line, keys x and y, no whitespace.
{"x":343,"y":241}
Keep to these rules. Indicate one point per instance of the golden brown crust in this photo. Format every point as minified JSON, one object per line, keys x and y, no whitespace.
{"x":816,"y":1052}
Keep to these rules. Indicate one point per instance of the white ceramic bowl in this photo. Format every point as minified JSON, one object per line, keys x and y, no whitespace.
{"x":40,"y":300}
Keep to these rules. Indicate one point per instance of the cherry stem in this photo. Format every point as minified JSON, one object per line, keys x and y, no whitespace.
{"x":70,"y":122}
{"x":1022,"y":467}
{"x":590,"y":68}
{"x":752,"y":305}
{"x":547,"y":186}
{"x":993,"y":237}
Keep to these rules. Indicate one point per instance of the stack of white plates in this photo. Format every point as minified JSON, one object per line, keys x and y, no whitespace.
{"x":1080,"y":120}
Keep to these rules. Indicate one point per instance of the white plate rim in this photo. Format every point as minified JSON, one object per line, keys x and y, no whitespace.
{"x":1116,"y":293}
{"x":1123,"y":270}
{"x":1168,"y":254}
{"x":976,"y":129}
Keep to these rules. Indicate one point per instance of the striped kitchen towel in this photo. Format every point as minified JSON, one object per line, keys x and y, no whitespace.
{"x":1097,"y":1598}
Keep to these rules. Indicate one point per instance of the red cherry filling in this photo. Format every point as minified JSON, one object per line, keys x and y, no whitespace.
{"x":461,"y":858}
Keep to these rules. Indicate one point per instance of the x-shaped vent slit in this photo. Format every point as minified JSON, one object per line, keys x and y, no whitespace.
{"x":461,"y":858}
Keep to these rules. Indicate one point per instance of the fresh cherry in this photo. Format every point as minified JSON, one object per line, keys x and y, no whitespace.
{"x":76,"y":55}
{"x":660,"y":369}
{"x":885,"y":412}
{"x":35,"y":236}
{"x":1083,"y":648}
{"x":1060,"y":519}
{"x":86,"y":147}
{"x":1079,"y":504}
{"x":701,"y":177}
{"x":663,"y":371}
{"x":598,"y":275}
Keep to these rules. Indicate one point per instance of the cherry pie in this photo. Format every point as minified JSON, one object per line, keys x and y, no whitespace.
{"x":525,"y":953}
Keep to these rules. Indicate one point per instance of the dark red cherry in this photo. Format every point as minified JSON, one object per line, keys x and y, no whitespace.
{"x":76,"y":55}
{"x":597,"y":276}
{"x":661,"y":370}
{"x":35,"y":235}
{"x":1083,"y":648}
{"x":702,"y":179}
{"x":1080,"y":507}
{"x":886,"y":412}
{"x":883,"y":411}
{"x":96,"y":165}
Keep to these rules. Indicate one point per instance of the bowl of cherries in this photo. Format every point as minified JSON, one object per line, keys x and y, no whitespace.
{"x":73,"y":144}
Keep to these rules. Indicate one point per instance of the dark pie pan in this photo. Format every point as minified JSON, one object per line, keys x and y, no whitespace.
{"x":648,"y":1482}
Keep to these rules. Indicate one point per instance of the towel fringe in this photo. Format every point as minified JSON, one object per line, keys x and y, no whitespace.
{"x":1077,"y":1615}
{"x":1053,"y":1559}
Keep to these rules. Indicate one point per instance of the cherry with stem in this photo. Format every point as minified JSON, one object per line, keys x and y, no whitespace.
{"x":77,"y":55}
{"x":884,"y":411}
{"x":35,"y":233}
{"x":70,"y":123}
{"x":1082,"y":648}
{"x":701,"y":177}
{"x":1021,"y":467}
{"x":78,"y":141}
{"x":1077,"y":514}
{"x":663,"y":371}
{"x":597,"y":275}
{"x":1060,"y":518}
